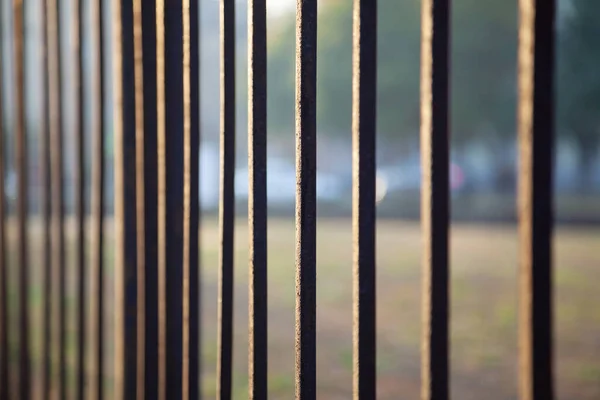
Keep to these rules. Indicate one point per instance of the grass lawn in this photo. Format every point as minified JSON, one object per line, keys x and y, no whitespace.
{"x":484,"y":310}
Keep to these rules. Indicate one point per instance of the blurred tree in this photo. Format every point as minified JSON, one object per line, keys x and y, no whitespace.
{"x":483,"y":69}
{"x":579,"y":82}
{"x":280,"y":76}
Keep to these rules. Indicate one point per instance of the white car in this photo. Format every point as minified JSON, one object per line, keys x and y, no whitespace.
{"x":209,"y":177}
{"x":281,"y":183}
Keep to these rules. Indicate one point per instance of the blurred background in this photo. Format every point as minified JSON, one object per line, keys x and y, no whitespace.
{"x":482,"y":177}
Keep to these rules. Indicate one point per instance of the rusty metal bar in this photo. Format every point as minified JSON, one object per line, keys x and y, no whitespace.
{"x":536,"y":141}
{"x":79,"y":185}
{"x":140,"y":198}
{"x":126,"y":271}
{"x":46,"y":212}
{"x":96,"y":369}
{"x":169,"y":16}
{"x":192,"y":386}
{"x":226,"y":200}
{"x":22,"y":198}
{"x":257,"y":200}
{"x":161,"y":137}
{"x":57,"y":164}
{"x":147,"y":194}
{"x":187,"y":132}
{"x":306,"y":198}
{"x":364,"y":113}
{"x":4,"y":328}
{"x":435,"y":41}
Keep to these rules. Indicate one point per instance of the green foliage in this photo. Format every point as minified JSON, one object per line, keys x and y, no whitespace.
{"x":578,"y":83}
{"x":483,"y":68}
{"x":483,"y":74}
{"x":579,"y":80}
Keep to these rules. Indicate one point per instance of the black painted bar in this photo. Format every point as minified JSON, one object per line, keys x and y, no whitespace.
{"x":226,"y":200}
{"x":190,"y":216}
{"x":79,"y":185}
{"x":22,"y":198}
{"x":46,"y":211}
{"x":257,"y":200}
{"x":193,"y":328}
{"x":126,"y":282}
{"x":435,"y":39}
{"x":536,"y":140}
{"x":171,"y":154}
{"x":306,"y":198}
{"x":96,"y":370}
{"x":363,"y":212}
{"x":147,"y":194}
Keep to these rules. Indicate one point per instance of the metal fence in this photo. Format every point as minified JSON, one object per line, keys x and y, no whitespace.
{"x":157,"y":131}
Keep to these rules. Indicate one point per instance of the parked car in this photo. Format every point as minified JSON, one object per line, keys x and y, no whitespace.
{"x":209,"y":177}
{"x":281,"y":183}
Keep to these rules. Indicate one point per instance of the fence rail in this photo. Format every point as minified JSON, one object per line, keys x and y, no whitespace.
{"x":156,"y":93}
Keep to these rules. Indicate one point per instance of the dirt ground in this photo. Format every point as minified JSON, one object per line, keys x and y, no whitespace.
{"x":483,"y":309}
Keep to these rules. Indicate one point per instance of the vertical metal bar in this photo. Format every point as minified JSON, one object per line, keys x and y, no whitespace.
{"x":79,"y":170}
{"x":536,"y":140}
{"x":56,"y":155}
{"x":161,"y":138}
{"x":140,"y":199}
{"x":170,"y":152}
{"x":149,"y":193}
{"x":190,"y":218}
{"x":185,"y":371}
{"x":126,"y":283}
{"x":46,"y":212}
{"x":364,"y":111}
{"x":192,"y":158}
{"x":4,"y":352}
{"x":96,"y":385}
{"x":306,"y":198}
{"x":434,"y":197}
{"x":257,"y":200}
{"x":226,"y":200}
{"x":22,"y":198}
